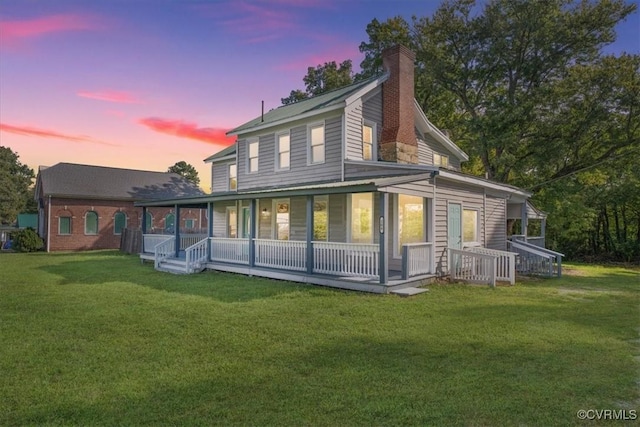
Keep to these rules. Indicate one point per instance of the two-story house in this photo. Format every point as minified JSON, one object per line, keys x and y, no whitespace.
{"x":354,"y":188}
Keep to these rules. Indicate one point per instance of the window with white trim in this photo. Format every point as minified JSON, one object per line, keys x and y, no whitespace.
{"x":409,"y":221}
{"x":283,"y":150}
{"x":361,"y":217}
{"x":281,"y":207}
{"x":232,"y":222}
{"x":189,"y":223}
{"x":470,"y":229}
{"x":91,"y":223}
{"x":119,"y":222}
{"x":64,"y":225}
{"x":252,"y":155}
{"x":368,"y":140}
{"x":316,"y":143}
{"x":440,"y":160}
{"x":233,"y":177}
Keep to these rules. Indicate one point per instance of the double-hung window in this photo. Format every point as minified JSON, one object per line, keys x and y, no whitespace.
{"x":409,"y":221}
{"x":368,"y":138}
{"x":440,"y":160}
{"x":233,"y":177}
{"x":361,"y":217}
{"x":321,"y":218}
{"x":283,"y":147}
{"x":252,"y":150}
{"x":316,"y":143}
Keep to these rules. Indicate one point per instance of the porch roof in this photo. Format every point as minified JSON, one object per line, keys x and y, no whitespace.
{"x":335,"y":187}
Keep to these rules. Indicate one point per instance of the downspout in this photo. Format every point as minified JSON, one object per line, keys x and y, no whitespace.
{"x":49,"y":225}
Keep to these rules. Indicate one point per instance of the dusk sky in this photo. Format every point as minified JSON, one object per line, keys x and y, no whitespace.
{"x":144,"y":84}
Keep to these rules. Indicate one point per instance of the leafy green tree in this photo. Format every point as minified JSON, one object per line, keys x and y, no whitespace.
{"x":382,"y":35}
{"x":321,"y":79}
{"x":186,"y":170}
{"x":15,"y":183}
{"x":27,"y":240}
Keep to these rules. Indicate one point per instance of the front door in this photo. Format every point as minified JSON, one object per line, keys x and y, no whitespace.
{"x":454,"y":226}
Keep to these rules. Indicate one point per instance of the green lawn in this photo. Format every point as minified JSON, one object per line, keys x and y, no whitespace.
{"x":96,"y":338}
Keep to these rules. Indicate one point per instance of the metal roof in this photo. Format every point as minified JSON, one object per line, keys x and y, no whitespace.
{"x":313,"y":105}
{"x":99,"y":182}
{"x":229,"y":151}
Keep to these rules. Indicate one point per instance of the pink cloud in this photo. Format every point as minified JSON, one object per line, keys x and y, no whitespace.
{"x":111,"y":96}
{"x":45,"y":133}
{"x":182,"y":129}
{"x":14,"y":32}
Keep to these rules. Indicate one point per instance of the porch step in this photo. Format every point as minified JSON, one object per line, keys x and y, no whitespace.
{"x":408,"y":292}
{"x":172,"y":265}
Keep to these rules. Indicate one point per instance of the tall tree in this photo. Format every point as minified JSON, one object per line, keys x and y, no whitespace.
{"x":321,"y":79}
{"x":15,"y":183}
{"x":382,"y":35}
{"x":186,"y":170}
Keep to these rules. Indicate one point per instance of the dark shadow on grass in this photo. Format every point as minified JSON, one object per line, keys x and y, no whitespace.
{"x":364,"y":381}
{"x":95,"y":268}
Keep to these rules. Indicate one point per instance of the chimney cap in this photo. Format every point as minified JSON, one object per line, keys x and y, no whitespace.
{"x":398,"y":49}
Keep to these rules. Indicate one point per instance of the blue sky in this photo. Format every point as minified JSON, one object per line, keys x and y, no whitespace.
{"x":144,"y":84}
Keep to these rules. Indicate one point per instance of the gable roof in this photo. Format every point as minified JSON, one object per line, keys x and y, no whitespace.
{"x":224,"y":154}
{"x":99,"y":182}
{"x":328,"y":101}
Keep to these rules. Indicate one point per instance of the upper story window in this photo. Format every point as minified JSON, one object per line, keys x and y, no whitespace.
{"x":119,"y":222}
{"x":233,"y":177}
{"x":252,"y":151}
{"x":316,"y":143}
{"x":91,"y":223}
{"x":283,"y":150}
{"x":368,"y":138}
{"x":440,"y":160}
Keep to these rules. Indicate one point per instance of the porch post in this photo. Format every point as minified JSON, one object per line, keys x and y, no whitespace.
{"x":176,"y":226}
{"x":523,"y":220}
{"x":252,"y":234}
{"x":543,"y":232}
{"x":383,"y":226}
{"x":143,"y":225}
{"x":309,"y":234}
{"x":209,"y":228}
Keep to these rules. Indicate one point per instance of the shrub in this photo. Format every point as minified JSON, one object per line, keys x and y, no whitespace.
{"x":27,"y":240}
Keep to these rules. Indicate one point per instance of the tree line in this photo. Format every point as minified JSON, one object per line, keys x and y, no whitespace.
{"x":526,"y":89}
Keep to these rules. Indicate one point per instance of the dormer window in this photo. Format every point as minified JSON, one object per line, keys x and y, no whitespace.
{"x":440,"y":160}
{"x":368,"y":137}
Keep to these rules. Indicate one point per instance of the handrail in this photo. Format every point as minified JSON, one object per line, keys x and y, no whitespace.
{"x":164,"y":250}
{"x":472,"y":267}
{"x":196,"y":255}
{"x":505,"y":262}
{"x":539,"y":248}
{"x":416,"y":259}
{"x":543,"y":264}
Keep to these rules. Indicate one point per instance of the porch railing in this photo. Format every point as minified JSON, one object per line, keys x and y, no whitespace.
{"x":149,"y":241}
{"x":472,"y":267}
{"x":196,"y":255}
{"x":346,"y":259}
{"x":505,"y":263}
{"x":534,"y":240}
{"x":163,"y":250}
{"x":416,"y":259}
{"x":535,"y":260}
{"x":282,"y":254}
{"x":230,"y":250}
{"x":187,"y":240}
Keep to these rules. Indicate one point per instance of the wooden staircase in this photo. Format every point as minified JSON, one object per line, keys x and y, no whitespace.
{"x":177,"y":266}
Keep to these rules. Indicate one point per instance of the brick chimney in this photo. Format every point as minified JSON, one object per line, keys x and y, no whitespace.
{"x":398,"y":139}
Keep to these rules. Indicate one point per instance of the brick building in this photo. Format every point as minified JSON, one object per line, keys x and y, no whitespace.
{"x":83,"y":207}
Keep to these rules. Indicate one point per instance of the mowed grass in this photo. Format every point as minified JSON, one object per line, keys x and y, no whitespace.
{"x":98,"y":339}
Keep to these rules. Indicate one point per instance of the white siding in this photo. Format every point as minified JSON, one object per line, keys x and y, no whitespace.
{"x":496,"y":223}
{"x":220,"y":176}
{"x":220,"y":218}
